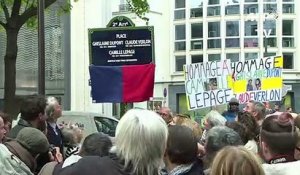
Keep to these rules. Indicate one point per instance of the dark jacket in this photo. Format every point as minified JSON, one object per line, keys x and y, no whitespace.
{"x":55,"y":139}
{"x":95,"y":165}
{"x":15,"y":130}
{"x":197,"y":168}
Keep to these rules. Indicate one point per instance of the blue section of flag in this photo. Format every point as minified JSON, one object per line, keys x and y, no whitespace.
{"x":106,"y":83}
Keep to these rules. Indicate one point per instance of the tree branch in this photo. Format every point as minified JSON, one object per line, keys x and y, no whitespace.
{"x":16,"y":8}
{"x":3,"y":24}
{"x":4,"y":7}
{"x":32,"y":11}
{"x":26,"y":6}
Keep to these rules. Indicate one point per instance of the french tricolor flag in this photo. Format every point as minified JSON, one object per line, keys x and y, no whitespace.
{"x":130,"y":83}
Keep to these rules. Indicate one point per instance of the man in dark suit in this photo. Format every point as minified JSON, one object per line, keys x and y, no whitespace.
{"x":53,"y":111}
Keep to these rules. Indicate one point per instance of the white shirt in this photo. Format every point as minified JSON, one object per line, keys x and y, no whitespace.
{"x":251,"y":145}
{"x":71,"y":160}
{"x":288,"y":168}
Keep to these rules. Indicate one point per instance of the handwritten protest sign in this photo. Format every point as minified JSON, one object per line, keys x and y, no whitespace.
{"x":258,"y":80}
{"x":206,"y":84}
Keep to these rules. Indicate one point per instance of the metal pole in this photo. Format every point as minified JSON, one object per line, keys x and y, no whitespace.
{"x":266,"y":47}
{"x":41,"y":47}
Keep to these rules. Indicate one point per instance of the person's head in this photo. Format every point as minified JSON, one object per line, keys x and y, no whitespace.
{"x":194,"y":126}
{"x":96,"y":144}
{"x":256,"y":109}
{"x":178,"y":153}
{"x":53,"y":109}
{"x":257,"y":82}
{"x":33,"y":110}
{"x":214,"y":118}
{"x":217,"y":138}
{"x":33,"y":140}
{"x":166,"y":114}
{"x":233,"y":104}
{"x":289,"y":109}
{"x":240,"y":129}
{"x":248,"y":120}
{"x":178,"y":119}
{"x":7,"y":121}
{"x":236,"y":160}
{"x":139,"y":129}
{"x":278,"y":136}
{"x":2,"y":130}
{"x":277,"y":107}
{"x":250,"y":81}
{"x":183,"y":120}
{"x":72,"y":135}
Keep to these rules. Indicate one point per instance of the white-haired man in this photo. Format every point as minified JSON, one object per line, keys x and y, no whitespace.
{"x":53,"y":112}
{"x":257,"y":109}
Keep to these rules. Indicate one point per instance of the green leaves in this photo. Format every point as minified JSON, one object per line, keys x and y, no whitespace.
{"x":139,"y":7}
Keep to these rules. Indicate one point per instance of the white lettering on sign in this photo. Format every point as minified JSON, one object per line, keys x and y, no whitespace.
{"x":121,"y":36}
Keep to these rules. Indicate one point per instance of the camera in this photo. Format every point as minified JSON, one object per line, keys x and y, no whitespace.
{"x":52,"y":149}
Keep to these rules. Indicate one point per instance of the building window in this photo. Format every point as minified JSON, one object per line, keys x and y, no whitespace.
{"x":213,"y":8}
{"x":270,"y":6}
{"x":269,"y":54}
{"x":196,"y":44}
{"x":197,"y":58}
{"x":214,"y":57}
{"x":232,"y":7}
{"x":213,"y":2}
{"x":213,"y":29}
{"x":287,"y":33}
{"x":214,"y":40}
{"x":251,"y":42}
{"x":197,"y":30}
{"x":179,"y":37}
{"x":232,"y":34}
{"x":179,"y":12}
{"x":179,"y":61}
{"x":271,"y":42}
{"x":270,"y":30}
{"x":250,"y":28}
{"x":233,"y":57}
{"x":251,"y":56}
{"x":288,"y":60}
{"x":196,"y":8}
{"x":288,"y":6}
{"x":196,"y":36}
{"x":251,"y":37}
{"x":250,"y":6}
{"x":214,"y":43}
{"x":232,"y":28}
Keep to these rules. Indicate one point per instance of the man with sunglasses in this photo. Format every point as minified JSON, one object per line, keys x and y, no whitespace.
{"x":233,"y":109}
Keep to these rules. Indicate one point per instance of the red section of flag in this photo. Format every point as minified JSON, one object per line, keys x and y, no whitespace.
{"x":138,"y":82}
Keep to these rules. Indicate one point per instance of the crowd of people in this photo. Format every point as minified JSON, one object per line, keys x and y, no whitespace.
{"x":247,"y":142}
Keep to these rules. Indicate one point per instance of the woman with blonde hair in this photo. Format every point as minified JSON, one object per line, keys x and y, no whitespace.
{"x":184,"y":120}
{"x":236,"y":160}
